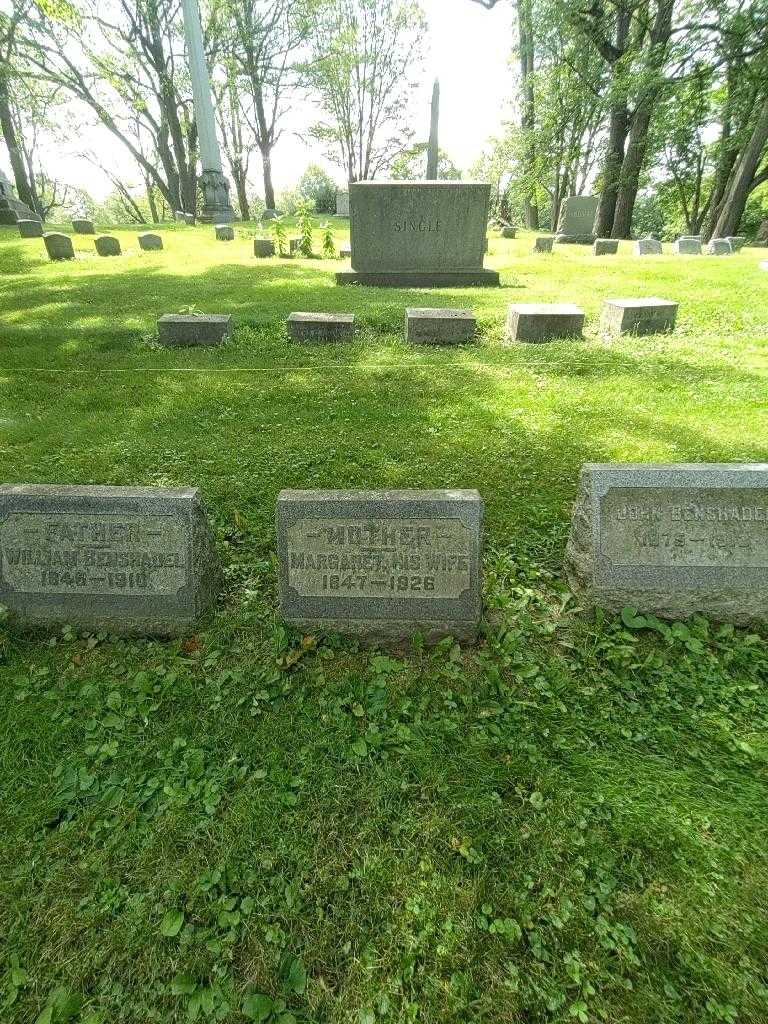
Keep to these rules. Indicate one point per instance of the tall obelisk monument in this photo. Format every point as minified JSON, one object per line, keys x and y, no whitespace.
{"x":217,"y":208}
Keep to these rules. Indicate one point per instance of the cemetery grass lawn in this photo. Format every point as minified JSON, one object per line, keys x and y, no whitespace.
{"x":566,"y":822}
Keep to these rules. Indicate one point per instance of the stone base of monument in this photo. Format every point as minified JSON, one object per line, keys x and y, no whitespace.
{"x":224,"y":232}
{"x":422,"y":279}
{"x":134,"y":561}
{"x":30,"y":228}
{"x":263,"y":247}
{"x":150,"y":242}
{"x":107,"y":245}
{"x":8,"y":217}
{"x":440,"y":326}
{"x":381,"y":565}
{"x":638,"y":316}
{"x":178,"y":329}
{"x":673,"y":540}
{"x":321,"y":326}
{"x":574,"y":239}
{"x":605,"y":246}
{"x":538,"y":322}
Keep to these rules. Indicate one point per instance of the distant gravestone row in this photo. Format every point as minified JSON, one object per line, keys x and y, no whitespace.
{"x":667,"y":540}
{"x":526,"y":322}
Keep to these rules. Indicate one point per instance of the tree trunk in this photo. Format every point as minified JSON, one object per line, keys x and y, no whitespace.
{"x":151,"y":202}
{"x":634,"y":159}
{"x":269,"y":191}
{"x":238,"y":175}
{"x":23,"y":189}
{"x":611,"y":175}
{"x":741,"y":182}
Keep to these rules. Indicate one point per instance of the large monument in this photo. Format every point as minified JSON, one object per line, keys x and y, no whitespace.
{"x":217,"y":208}
{"x":419,"y":234}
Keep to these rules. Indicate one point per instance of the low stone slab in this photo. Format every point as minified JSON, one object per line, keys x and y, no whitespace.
{"x":544,"y":244}
{"x":605,"y":246}
{"x":508,"y":231}
{"x":648,"y":247}
{"x":720,"y":247}
{"x":440,"y":326}
{"x":30,"y":228}
{"x":58,"y":246}
{"x":225,"y":232}
{"x":8,"y":217}
{"x":83,"y":227}
{"x":673,"y":540}
{"x":687,"y":246}
{"x":737,"y":242}
{"x":381,"y":565}
{"x":537,"y":322}
{"x":178,"y":329}
{"x":638,"y":316}
{"x":125,"y":560}
{"x":107,"y":245}
{"x":263,"y":247}
{"x":321,"y":326}
{"x":150,"y":242}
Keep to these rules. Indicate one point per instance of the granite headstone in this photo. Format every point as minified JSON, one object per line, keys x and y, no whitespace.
{"x":577,"y":219}
{"x":673,"y":540}
{"x":126,"y":560}
{"x":381,"y":565}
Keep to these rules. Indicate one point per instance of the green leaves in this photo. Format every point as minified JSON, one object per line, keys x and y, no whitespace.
{"x":172,"y":923}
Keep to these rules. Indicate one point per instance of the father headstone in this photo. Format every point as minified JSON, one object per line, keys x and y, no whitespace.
{"x":58,"y":246}
{"x":30,"y":228}
{"x":150,"y":241}
{"x":418,"y":234}
{"x":648,"y":247}
{"x":577,"y":218}
{"x":342,"y":204}
{"x":83,"y":227}
{"x":687,"y":246}
{"x":107,"y":245}
{"x":673,"y":540}
{"x":125,"y":560}
{"x":382,"y":565}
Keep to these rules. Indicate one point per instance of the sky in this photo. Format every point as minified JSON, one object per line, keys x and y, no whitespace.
{"x":468,"y":49}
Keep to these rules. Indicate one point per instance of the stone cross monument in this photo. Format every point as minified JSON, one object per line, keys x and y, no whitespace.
{"x":217,"y":208}
{"x":433,"y":151}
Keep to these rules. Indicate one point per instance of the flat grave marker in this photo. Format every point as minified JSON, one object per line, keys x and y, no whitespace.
{"x":321,"y":326}
{"x":673,"y":539}
{"x":541,"y":321}
{"x":125,"y":560}
{"x":440,"y":326}
{"x":381,"y":565}
{"x":201,"y":329}
{"x":638,"y":316}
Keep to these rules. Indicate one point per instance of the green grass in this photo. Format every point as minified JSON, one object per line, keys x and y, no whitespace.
{"x":566,"y":822}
